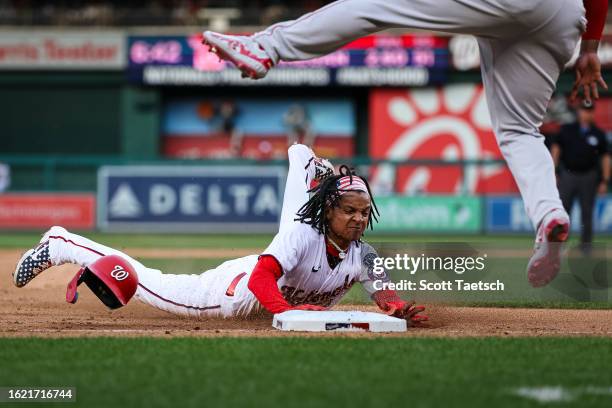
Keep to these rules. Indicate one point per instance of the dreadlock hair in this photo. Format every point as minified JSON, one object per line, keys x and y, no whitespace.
{"x":325,"y":195}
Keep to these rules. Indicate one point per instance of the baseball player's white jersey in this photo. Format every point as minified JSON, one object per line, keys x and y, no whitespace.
{"x":223,"y":291}
{"x":307,"y":278}
{"x":524,"y":45}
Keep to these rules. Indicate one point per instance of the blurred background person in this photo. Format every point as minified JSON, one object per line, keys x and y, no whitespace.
{"x":228,"y":113}
{"x":582,"y":151}
{"x":559,"y":113}
{"x":5,"y":177}
{"x":298,"y":126}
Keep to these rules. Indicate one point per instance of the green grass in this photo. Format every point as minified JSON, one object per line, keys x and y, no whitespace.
{"x":230,"y":241}
{"x":27,"y":239}
{"x":308,"y":372}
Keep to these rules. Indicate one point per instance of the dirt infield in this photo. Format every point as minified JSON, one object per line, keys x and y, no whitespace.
{"x":40,"y":310}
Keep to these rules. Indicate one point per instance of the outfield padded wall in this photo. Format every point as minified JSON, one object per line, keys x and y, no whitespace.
{"x":51,"y":119}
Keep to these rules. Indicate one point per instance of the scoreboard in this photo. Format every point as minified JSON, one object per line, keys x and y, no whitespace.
{"x":377,"y":60}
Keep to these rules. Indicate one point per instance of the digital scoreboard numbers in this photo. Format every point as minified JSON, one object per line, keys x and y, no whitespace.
{"x":379,"y":60}
{"x":400,"y":51}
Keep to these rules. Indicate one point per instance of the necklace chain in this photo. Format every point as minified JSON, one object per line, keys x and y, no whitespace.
{"x":341,"y":252}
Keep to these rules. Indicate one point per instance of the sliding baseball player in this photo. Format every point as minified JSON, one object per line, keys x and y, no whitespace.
{"x":313,"y":261}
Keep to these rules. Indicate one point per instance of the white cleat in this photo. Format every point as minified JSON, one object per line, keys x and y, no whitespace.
{"x":317,"y":169}
{"x":323,"y":168}
{"x":545,"y":263}
{"x":35,"y":260}
{"x":32,"y":263}
{"x":242,"y":51}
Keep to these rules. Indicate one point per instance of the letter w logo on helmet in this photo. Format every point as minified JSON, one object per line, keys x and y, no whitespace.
{"x":119,"y":273}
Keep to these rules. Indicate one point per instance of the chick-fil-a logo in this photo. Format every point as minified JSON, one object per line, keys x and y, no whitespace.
{"x":448,"y":123}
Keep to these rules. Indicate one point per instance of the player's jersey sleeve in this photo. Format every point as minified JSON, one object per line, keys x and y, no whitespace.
{"x":370,"y":272}
{"x":288,"y":246}
{"x":596,"y":12}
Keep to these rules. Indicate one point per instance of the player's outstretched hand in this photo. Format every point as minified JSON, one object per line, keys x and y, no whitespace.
{"x":588,"y":76}
{"x":413,"y":314}
{"x":308,"y":307}
{"x":393,"y":305}
{"x":409,"y":311}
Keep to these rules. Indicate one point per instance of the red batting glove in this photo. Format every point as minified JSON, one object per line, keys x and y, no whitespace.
{"x":393,"y":305}
{"x":308,"y":307}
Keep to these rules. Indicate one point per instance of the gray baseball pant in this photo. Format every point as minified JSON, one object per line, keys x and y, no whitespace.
{"x":524,"y":45}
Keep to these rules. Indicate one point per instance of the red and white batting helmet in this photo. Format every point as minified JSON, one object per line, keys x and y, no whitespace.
{"x":111,"y":278}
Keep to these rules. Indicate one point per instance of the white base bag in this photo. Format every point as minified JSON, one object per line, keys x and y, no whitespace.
{"x":326,"y":321}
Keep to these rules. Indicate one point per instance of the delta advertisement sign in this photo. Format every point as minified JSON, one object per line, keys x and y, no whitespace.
{"x":62,"y":50}
{"x":448,"y":123}
{"x":190,"y":199}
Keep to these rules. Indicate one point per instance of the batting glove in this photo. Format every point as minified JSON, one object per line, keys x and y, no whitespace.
{"x":393,"y":305}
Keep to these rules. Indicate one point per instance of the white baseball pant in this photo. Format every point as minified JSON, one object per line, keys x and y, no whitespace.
{"x":195,"y":295}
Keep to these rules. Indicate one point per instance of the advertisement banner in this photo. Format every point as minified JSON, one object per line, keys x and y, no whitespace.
{"x":507,"y":214}
{"x":190,"y":199}
{"x":380,"y":60}
{"x":62,"y":50}
{"x":448,"y":123}
{"x":43,"y":210}
{"x":429,"y":214}
{"x":257,"y":128}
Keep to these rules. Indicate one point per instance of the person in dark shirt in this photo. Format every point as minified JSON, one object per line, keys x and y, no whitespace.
{"x":582,"y":151}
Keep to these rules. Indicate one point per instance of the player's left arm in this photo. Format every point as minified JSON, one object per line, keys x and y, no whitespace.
{"x":588,"y":66}
{"x":262,"y":284}
{"x":388,"y":300}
